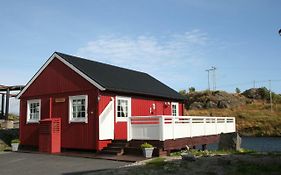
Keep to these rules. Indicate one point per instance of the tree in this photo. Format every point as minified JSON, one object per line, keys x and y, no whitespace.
{"x":237,"y":90}
{"x":182,"y":92}
{"x":191,"y":89}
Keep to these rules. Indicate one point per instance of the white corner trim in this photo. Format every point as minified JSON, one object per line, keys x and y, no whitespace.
{"x":123,"y":119}
{"x":54,"y":55}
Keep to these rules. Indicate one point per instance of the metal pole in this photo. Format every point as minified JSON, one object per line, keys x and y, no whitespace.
{"x":270,"y":96}
{"x":214,"y":77}
{"x":7,"y":104}
{"x":2,"y":105}
{"x":208,"y":70}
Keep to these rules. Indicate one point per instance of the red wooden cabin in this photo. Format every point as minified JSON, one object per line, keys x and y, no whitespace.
{"x":79,"y":92}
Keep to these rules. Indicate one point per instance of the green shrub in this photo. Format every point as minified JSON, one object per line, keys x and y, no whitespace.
{"x":146,"y":145}
{"x":15,"y":141}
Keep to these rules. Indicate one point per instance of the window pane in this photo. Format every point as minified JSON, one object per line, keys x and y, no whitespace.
{"x":79,"y":108}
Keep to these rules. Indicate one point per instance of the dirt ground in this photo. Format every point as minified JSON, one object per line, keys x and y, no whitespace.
{"x":211,"y":165}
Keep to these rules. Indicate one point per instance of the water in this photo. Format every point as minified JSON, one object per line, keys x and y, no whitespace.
{"x":260,"y":144}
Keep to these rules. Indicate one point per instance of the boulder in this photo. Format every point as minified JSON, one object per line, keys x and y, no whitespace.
{"x":188,"y":157}
{"x":223,"y":104}
{"x":196,"y":105}
{"x":230,"y":141}
{"x":211,"y":104}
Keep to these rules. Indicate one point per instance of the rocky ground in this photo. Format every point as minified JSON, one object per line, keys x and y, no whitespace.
{"x":212,"y":165}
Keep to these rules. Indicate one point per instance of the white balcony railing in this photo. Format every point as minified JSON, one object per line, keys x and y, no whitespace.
{"x":174,"y":127}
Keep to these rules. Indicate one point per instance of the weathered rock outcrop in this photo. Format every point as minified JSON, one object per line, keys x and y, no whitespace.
{"x":214,"y":99}
{"x":230,"y":141}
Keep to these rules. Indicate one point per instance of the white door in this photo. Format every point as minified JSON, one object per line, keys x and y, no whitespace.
{"x":106,"y":122}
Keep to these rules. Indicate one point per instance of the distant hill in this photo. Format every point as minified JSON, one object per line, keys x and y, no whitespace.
{"x":251,"y":109}
{"x":222,"y":99}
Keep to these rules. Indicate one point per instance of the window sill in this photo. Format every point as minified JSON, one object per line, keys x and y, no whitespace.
{"x":33,"y":122}
{"x":121,"y":119}
{"x":78,"y":121}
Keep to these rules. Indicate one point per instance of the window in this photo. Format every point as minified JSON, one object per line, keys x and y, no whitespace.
{"x":175,"y":109}
{"x":123,"y":108}
{"x":33,"y":111}
{"x":78,"y":108}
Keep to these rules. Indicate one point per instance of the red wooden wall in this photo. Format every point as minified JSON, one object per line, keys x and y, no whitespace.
{"x":59,"y":81}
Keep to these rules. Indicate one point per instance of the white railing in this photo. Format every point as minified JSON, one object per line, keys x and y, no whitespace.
{"x":174,"y":127}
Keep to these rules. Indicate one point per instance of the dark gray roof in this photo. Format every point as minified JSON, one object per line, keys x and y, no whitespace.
{"x":119,"y":79}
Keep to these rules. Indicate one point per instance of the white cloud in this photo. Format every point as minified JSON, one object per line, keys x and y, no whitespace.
{"x":172,"y":56}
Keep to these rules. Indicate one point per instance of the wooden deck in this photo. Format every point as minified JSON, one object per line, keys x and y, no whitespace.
{"x":165,"y":147}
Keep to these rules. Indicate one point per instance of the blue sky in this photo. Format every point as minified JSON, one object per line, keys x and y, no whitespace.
{"x":173,"y":40}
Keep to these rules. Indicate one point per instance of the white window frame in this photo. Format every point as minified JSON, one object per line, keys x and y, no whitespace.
{"x":122,"y":119}
{"x":70,"y":111}
{"x":28,"y":119}
{"x":177,"y":108}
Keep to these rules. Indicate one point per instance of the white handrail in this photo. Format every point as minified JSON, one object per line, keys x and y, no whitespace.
{"x":173,"y":127}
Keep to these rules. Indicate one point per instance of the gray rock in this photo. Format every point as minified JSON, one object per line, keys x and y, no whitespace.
{"x":188,"y":157}
{"x":211,"y":104}
{"x":223,"y":104}
{"x":197,"y":105}
{"x":230,"y":141}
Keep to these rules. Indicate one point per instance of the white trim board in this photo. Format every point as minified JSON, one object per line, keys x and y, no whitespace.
{"x":55,"y":55}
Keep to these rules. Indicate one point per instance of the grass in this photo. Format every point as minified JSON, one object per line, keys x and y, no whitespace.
{"x":254,"y":119}
{"x":213,"y":152}
{"x":251,"y":168}
{"x":160,"y":161}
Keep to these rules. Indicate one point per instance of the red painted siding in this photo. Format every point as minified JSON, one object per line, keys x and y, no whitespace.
{"x":59,"y":81}
{"x":55,"y":79}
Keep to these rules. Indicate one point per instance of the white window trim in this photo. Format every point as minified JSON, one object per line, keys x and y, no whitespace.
{"x":28,"y":120}
{"x":122,"y":119}
{"x":70,"y":109}
{"x":177,"y":108}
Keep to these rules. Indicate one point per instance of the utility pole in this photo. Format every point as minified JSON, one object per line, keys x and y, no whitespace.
{"x":270,"y":95}
{"x":213,"y":69}
{"x":214,"y":77}
{"x":254,"y":84}
{"x":208,"y":70}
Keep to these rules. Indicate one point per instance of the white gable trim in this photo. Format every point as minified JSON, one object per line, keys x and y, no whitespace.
{"x":67,"y":64}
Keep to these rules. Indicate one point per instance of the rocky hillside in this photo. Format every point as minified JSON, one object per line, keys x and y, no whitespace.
{"x":221,"y":99}
{"x":251,"y":109}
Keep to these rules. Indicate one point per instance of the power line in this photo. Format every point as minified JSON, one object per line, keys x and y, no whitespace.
{"x":254,"y":83}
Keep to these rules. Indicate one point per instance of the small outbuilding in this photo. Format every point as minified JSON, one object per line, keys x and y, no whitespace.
{"x":93,"y":101}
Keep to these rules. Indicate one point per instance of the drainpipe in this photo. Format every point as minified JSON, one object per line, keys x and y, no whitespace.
{"x":7,"y":104}
{"x":51,"y":107}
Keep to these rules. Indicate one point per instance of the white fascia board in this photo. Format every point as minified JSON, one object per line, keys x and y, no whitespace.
{"x":54,"y":55}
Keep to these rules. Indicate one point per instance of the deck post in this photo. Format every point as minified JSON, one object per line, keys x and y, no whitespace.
{"x":216,"y":122}
{"x":204,"y":121}
{"x":2,"y":105}
{"x":173,"y":124}
{"x":129,"y":129}
{"x":204,"y":147}
{"x":161,"y":128}
{"x":7,"y":104}
{"x":190,"y":126}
